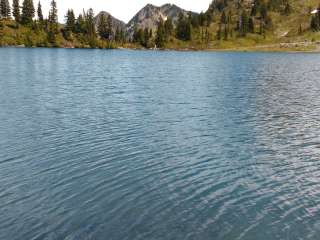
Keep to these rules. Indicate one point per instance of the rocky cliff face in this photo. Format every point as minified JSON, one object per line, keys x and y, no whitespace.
{"x":173,"y":11}
{"x":147,"y":17}
{"x":116,"y":23}
{"x":150,"y":15}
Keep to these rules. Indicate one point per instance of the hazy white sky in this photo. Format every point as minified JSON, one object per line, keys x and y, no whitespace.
{"x":122,"y":9}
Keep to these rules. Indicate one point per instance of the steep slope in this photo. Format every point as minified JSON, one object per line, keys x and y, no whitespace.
{"x":150,"y":15}
{"x":249,"y":23}
{"x":116,"y":23}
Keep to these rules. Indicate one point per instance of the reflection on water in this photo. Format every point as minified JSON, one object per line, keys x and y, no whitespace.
{"x":159,"y":145}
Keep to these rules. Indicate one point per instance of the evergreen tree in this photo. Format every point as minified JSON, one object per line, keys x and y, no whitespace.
{"x":109,"y":27}
{"x":70,"y":25}
{"x":146,"y":37}
{"x":90,"y":27}
{"x":226,"y":32}
{"x":103,"y":27}
{"x":161,"y":35}
{"x":70,"y":21}
{"x":219,"y":32}
{"x":168,"y":27}
{"x":180,"y":27}
{"x":5,"y":10}
{"x":224,"y":25}
{"x":202,"y":19}
{"x":53,"y":22}
{"x":138,"y":35}
{"x":141,"y":36}
{"x":223,"y":19}
{"x":263,"y":11}
{"x":251,"y":25}
{"x":287,"y":8}
{"x":229,"y":23}
{"x":262,"y":28}
{"x":53,"y":17}
{"x":183,"y":28}
{"x":39,"y":13}
{"x":244,"y":22}
{"x":220,"y":5}
{"x":300,"y":30}
{"x":16,"y":10}
{"x":80,"y":26}
{"x":195,"y":21}
{"x":255,"y":7}
{"x":314,"y":25}
{"x":117,"y":36}
{"x":207,"y":36}
{"x":27,"y":11}
{"x":209,"y":18}
{"x":121,"y":35}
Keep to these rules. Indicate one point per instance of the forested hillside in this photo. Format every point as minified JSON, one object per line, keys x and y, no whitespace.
{"x":227,"y":24}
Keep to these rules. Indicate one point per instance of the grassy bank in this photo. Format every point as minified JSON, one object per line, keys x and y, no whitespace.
{"x":12,"y":34}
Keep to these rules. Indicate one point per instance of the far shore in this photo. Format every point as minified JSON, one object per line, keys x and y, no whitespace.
{"x":302,"y":47}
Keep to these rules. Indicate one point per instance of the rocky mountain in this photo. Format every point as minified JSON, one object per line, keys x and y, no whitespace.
{"x":150,"y":15}
{"x":116,"y":23}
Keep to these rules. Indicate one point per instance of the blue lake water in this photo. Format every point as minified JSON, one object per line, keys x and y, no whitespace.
{"x":135,"y":145}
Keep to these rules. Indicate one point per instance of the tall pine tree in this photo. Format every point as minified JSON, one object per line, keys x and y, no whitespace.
{"x":80,"y":26}
{"x":70,"y":26}
{"x":91,"y":28}
{"x":53,"y":22}
{"x":120,"y":36}
{"x":90,"y":23}
{"x":183,"y":28}
{"x":70,"y":21}
{"x":16,"y":10}
{"x":161,"y":35}
{"x":103,"y":27}
{"x":39,"y":13}
{"x":251,"y":25}
{"x":53,"y":17}
{"x":5,"y":10}
{"x":244,"y":24}
{"x":168,"y":27}
{"x":146,"y":39}
{"x":27,"y":12}
{"x":109,"y":25}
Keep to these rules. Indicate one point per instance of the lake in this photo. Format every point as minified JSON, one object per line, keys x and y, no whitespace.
{"x":119,"y":144}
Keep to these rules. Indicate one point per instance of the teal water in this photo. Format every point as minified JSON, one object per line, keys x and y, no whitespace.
{"x":159,"y":145}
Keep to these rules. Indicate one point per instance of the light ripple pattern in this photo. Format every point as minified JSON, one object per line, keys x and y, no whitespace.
{"x":130,"y":145}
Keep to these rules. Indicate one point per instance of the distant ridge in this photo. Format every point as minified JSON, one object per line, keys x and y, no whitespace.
{"x":150,"y":15}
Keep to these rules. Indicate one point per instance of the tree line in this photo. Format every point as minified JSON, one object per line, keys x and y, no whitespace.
{"x":241,"y":20}
{"x":315,"y":20}
{"x":233,"y":21}
{"x":230,"y":19}
{"x":167,"y":30}
{"x":83,"y":29}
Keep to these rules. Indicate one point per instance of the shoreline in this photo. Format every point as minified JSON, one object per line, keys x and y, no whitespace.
{"x":259,"y":48}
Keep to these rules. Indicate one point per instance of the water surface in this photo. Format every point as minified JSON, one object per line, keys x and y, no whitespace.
{"x":159,"y":145}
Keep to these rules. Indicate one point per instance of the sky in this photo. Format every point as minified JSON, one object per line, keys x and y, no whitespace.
{"x":121,"y":9}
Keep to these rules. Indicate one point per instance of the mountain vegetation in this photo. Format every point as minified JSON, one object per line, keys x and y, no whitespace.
{"x":227,"y":24}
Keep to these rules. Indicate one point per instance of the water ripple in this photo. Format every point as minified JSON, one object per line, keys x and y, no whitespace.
{"x":210,"y":146}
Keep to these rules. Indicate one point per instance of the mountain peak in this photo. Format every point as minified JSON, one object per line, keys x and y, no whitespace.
{"x":116,"y":23}
{"x":150,"y":15}
{"x":167,"y":5}
{"x":149,"y":5}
